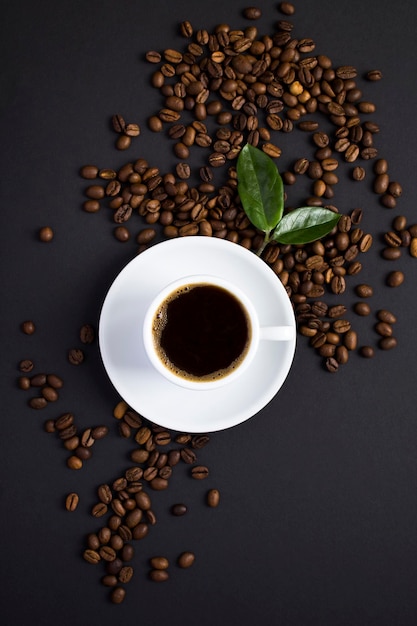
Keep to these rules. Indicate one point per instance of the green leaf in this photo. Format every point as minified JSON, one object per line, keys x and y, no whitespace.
{"x":260,"y":188}
{"x":304,"y":225}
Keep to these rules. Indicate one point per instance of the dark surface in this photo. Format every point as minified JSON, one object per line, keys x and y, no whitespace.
{"x":318,"y":515}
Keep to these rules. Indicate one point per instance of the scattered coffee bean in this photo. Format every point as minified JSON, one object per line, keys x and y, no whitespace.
{"x":367,"y":352}
{"x":179,"y":509}
{"x":26,"y":366}
{"x":118,"y":595}
{"x":287,"y":8}
{"x":362,"y":308}
{"x":50,"y":394}
{"x":386,"y":316}
{"x":395,"y":278}
{"x":23,"y":382}
{"x":75,"y":356}
{"x":28,"y":327}
{"x":252,"y":13}
{"x":159,"y":562}
{"x":387,"y":343}
{"x":46,"y":234}
{"x":38,"y":403}
{"x":364,"y":291}
{"x":87,"y":334}
{"x":186,"y":559}
{"x":54,"y":381}
{"x":71,"y":501}
{"x":75,"y":463}
{"x":159,"y":575}
{"x":213,"y":498}
{"x":200,"y":472}
{"x":91,"y":556}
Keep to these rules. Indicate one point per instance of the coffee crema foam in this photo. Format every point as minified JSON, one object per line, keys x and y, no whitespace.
{"x":201,"y":332}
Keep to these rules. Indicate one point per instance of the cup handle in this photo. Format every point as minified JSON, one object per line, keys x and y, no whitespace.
{"x":277,"y":333}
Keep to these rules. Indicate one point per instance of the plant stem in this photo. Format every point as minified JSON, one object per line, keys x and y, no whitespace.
{"x":264,"y":243}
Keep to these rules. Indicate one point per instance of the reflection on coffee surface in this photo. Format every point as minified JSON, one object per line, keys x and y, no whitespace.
{"x":201,"y":332}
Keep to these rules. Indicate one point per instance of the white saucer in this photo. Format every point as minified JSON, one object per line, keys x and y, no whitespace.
{"x":121,"y":342}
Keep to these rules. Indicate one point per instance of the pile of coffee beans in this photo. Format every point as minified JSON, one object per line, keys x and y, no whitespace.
{"x":234,"y":86}
{"x":79,"y":444}
{"x":48,"y":385}
{"x":126,"y":503}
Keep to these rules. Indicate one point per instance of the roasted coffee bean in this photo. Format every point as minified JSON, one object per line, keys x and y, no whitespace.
{"x":87,"y":439}
{"x":75,"y":356}
{"x":387,"y":343}
{"x":99,"y":509}
{"x":200,"y":472}
{"x":364,"y":291}
{"x":213,"y":498}
{"x":134,"y":517}
{"x":332,"y":365}
{"x":46,"y":234}
{"x":384,"y":329}
{"x":64,"y":421}
{"x":367,"y":352}
{"x":104,"y":535}
{"x":140,"y":531}
{"x":188,"y":455}
{"x":75,"y":463}
{"x":374,"y":75}
{"x":99,"y":432}
{"x":89,"y":172}
{"x":159,"y":562}
{"x":28,"y":327}
{"x":143,"y":500}
{"x":23,"y":383}
{"x":252,"y":13}
{"x":186,"y":559}
{"x":142,"y":435}
{"x":165,"y":472}
{"x":162,"y":439}
{"x":109,"y":580}
{"x":386,"y":316}
{"x":139,"y":455}
{"x":26,"y":366}
{"x":395,"y":278}
{"x":83,"y":453}
{"x":50,"y":394}
{"x":362,"y":308}
{"x":91,"y":556}
{"x":104,"y":493}
{"x":38,"y":380}
{"x":38,"y":403}
{"x":118,"y":595}
{"x":54,"y":381}
{"x":350,"y":340}
{"x":71,"y":501}
{"x":87,"y":334}
{"x":174,"y":457}
{"x":150,"y":473}
{"x":199,"y":441}
{"x":158,"y":483}
{"x":158,"y":575}
{"x":336,"y":311}
{"x":126,"y":574}
{"x":179,"y":509}
{"x":391,"y":253}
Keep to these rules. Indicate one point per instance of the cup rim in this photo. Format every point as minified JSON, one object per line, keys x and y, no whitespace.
{"x":192,"y":279}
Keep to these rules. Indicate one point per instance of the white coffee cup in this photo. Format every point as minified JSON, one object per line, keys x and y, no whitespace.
{"x":256,"y":333}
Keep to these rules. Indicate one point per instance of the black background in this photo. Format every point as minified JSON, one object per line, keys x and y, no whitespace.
{"x":317,"y":523}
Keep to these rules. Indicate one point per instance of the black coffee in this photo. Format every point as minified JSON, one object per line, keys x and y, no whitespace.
{"x":201,"y":332}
